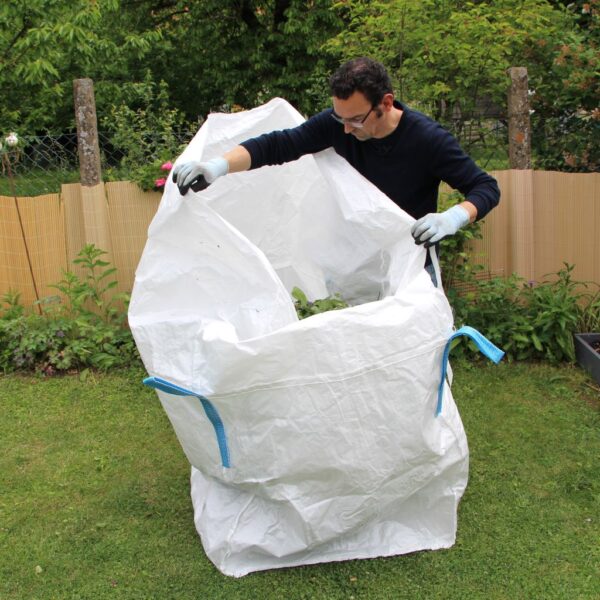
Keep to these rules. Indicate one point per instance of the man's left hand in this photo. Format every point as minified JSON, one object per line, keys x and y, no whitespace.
{"x":431,"y":228}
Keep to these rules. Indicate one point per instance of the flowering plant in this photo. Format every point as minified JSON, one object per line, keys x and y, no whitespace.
{"x":160,"y":182}
{"x":153,"y":176}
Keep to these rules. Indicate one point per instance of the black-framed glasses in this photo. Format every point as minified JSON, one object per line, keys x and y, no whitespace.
{"x":355,"y":123}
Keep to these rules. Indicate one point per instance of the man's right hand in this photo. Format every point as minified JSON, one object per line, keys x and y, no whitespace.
{"x":184,"y":174}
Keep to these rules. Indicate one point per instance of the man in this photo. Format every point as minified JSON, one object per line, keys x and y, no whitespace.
{"x":401,"y":151}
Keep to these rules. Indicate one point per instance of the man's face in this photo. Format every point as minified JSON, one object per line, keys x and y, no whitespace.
{"x":360,"y":118}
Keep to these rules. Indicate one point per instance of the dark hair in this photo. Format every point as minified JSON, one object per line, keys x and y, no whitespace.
{"x":363,"y":75}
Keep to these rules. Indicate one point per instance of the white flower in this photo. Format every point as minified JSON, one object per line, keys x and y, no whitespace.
{"x":12,"y":139}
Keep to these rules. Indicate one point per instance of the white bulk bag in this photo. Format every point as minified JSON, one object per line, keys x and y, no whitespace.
{"x":312,"y":440}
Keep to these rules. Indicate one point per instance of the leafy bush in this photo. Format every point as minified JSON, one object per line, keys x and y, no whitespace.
{"x":529,"y":320}
{"x":554,"y":311}
{"x":12,"y":308}
{"x":589,"y":320}
{"x":564,"y":77}
{"x":494,"y":308}
{"x":81,"y":328}
{"x":144,"y":153}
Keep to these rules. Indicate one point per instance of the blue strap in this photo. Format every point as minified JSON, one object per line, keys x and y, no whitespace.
{"x":485,"y":347}
{"x":211,"y":412}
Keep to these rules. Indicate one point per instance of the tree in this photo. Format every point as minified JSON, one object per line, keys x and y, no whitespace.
{"x":45,"y":44}
{"x":444,"y":54}
{"x":449,"y":57}
{"x":221,"y":54}
{"x":212,"y":55}
{"x":566,"y":118}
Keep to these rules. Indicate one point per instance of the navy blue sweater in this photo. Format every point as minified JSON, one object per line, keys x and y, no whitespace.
{"x":406,"y":165}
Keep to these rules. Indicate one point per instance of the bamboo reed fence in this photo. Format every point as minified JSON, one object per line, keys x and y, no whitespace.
{"x":544,"y":220}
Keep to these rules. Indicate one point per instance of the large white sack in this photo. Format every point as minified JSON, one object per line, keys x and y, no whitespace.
{"x":334,"y":445}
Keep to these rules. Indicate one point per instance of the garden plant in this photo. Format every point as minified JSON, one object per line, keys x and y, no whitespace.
{"x":84,"y":325}
{"x":81,"y":327}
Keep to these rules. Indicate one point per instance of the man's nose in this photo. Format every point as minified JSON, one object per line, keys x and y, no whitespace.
{"x":348,"y":128}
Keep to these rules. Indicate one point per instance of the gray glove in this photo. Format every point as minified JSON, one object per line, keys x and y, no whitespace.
{"x":433,"y":227}
{"x":187,"y":174}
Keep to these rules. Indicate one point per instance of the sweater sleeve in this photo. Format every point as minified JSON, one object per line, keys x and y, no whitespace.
{"x":453,"y":166}
{"x":278,"y":147}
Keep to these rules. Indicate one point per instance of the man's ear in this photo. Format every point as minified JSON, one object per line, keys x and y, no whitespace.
{"x":387,"y":102}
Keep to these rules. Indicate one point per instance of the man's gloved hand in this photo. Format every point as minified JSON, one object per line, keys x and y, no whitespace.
{"x":184,"y":174}
{"x":433,"y":227}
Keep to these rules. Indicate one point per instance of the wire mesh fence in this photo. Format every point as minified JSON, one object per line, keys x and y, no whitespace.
{"x":484,"y":136}
{"x":41,"y":164}
{"x":119,"y":163}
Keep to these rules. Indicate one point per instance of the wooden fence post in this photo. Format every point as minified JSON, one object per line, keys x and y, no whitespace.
{"x":519,"y":151}
{"x":93,"y":196}
{"x":87,"y":132}
{"x":519,"y":127}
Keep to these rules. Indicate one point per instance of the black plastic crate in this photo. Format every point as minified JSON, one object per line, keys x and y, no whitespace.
{"x":587,"y":355}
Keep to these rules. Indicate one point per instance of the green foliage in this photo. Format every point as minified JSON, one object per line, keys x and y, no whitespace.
{"x":145,"y":135}
{"x":220,"y":54}
{"x":305,"y":308}
{"x":84,"y":327}
{"x":564,"y":76}
{"x":211,"y":54}
{"x":45,"y":44}
{"x":11,"y":305}
{"x":589,"y":320}
{"x":494,"y":309}
{"x":554,"y":310}
{"x":87,"y":296}
{"x":37,"y":182}
{"x":448,"y":56}
{"x":528,"y":320}
{"x":152,"y":175}
{"x":450,"y":59}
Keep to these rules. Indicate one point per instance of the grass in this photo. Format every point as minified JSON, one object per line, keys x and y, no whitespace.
{"x":94,"y":498}
{"x":37,"y":182}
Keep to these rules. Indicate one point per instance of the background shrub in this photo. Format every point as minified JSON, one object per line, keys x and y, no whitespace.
{"x":84,"y":326}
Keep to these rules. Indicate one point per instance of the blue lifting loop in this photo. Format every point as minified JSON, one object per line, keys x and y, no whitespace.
{"x":485,"y":347}
{"x":211,"y":412}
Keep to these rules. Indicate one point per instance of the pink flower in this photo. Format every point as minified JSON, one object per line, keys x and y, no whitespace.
{"x":167,"y":166}
{"x":160,"y":182}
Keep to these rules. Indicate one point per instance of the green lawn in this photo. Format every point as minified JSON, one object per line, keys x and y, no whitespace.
{"x":37,"y":182}
{"x":94,"y":499}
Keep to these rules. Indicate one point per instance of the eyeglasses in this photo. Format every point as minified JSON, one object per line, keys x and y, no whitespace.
{"x":355,"y":123}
